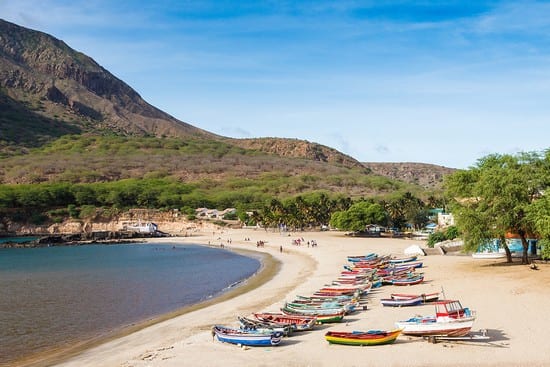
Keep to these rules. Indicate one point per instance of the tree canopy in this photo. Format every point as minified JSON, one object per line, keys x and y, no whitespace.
{"x":500,"y":195}
{"x":358,"y":216}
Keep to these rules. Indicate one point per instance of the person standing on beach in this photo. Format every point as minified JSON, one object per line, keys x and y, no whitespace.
{"x":281,"y":248}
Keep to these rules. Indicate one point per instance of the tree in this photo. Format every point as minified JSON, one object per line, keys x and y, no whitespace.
{"x":494,"y":197}
{"x":358,"y":216}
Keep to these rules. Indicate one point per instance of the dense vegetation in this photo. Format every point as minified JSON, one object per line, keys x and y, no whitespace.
{"x":38,"y":203}
{"x":93,"y":158}
{"x":500,"y":195}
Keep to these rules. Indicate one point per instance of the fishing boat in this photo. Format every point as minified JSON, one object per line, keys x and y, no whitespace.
{"x":408,"y":280}
{"x":348,"y":306}
{"x":371,"y":337}
{"x":322,"y":316}
{"x":426,"y":297}
{"x":489,"y":255}
{"x":249,"y":338}
{"x":250,"y":324}
{"x":403,"y":302}
{"x":370,"y":257}
{"x":402,"y":259}
{"x":451,"y":319}
{"x":297,"y":322}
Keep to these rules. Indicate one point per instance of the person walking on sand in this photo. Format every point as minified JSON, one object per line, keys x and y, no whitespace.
{"x":281,"y":248}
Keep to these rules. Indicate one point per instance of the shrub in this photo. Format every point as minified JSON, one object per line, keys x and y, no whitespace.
{"x":73,"y":211}
{"x":452,"y":232}
{"x":38,"y":218}
{"x":87,"y":211}
{"x":435,"y":238}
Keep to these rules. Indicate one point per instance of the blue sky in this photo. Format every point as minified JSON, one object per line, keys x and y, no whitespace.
{"x":443,"y":82}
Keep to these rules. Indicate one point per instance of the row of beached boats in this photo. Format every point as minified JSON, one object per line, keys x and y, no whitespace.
{"x":451,"y":319}
{"x":329,"y":304}
{"x":345,"y":295}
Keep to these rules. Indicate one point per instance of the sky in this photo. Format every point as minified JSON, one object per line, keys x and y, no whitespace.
{"x":441,"y":82}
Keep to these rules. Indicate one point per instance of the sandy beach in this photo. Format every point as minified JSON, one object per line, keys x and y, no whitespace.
{"x":510,"y":302}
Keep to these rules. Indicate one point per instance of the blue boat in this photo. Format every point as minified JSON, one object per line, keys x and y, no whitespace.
{"x":403,"y":302}
{"x":247,"y":337}
{"x":402,"y":260}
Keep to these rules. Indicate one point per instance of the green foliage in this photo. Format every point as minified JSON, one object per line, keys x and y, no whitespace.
{"x":544,"y":248}
{"x":38,"y":218}
{"x":230,"y":216}
{"x":73,"y":211}
{"x":58,"y":215}
{"x":358,"y":216}
{"x":187,"y":210}
{"x":502,"y":193}
{"x":87,"y":212}
{"x":436,"y":237}
{"x":452,"y":232}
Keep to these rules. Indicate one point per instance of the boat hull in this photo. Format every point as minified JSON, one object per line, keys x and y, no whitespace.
{"x":392,"y":302}
{"x":429,"y":326}
{"x":298,"y":323}
{"x":429,"y":297}
{"x":362,"y":338}
{"x":322,"y":318}
{"x":235,"y":336}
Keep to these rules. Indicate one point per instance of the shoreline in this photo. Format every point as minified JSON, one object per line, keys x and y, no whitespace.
{"x":508,"y":301}
{"x":267,"y":270}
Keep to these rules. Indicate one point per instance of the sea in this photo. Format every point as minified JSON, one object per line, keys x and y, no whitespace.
{"x":53,"y":297}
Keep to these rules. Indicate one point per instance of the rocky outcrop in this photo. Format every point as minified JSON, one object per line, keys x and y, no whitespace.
{"x":169,"y":222}
{"x":426,"y":175}
{"x":296,"y":148}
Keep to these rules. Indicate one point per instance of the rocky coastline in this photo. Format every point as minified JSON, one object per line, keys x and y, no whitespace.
{"x":103,"y":231}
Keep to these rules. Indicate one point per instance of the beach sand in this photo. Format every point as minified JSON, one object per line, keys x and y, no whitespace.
{"x":510,"y":302}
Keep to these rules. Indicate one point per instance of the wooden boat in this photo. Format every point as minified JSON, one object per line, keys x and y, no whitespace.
{"x":408,"y":280}
{"x":325,"y":298}
{"x":243,"y":337}
{"x":322,"y":317}
{"x":403,"y":302}
{"x":408,"y":265}
{"x":250,"y":324}
{"x":402,"y":259}
{"x":314,"y":310}
{"x":348,"y":306}
{"x":370,"y":257}
{"x":426,"y":297}
{"x":297,"y":322}
{"x":451,"y":319}
{"x":371,"y":337}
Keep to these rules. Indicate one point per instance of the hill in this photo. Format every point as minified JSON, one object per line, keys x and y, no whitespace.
{"x":426,"y":175}
{"x":64,"y":118}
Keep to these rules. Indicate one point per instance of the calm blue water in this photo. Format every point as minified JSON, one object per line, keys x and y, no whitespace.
{"x":57,"y":295}
{"x":19,"y":239}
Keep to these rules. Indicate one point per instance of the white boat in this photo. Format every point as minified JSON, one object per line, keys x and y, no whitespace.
{"x":451,"y":319}
{"x":489,"y":255}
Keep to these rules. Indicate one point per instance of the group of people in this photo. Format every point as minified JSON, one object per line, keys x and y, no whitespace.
{"x":299,"y":241}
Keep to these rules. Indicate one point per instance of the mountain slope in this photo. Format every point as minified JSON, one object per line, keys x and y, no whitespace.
{"x":47,"y":87}
{"x":53,"y":79}
{"x":422,"y":174}
{"x":48,"y":90}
